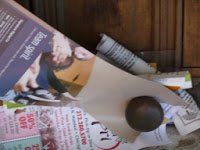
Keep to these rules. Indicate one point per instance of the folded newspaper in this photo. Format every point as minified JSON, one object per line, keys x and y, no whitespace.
{"x":39,"y":65}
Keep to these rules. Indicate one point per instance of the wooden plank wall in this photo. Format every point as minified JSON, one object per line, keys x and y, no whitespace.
{"x":139,"y":25}
{"x":191,"y":50}
{"x":191,"y":37}
{"x":51,"y":11}
{"x":165,"y":24}
{"x":127,"y":21}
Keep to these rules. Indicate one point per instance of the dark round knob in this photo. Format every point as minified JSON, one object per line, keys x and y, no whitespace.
{"x":144,"y":114}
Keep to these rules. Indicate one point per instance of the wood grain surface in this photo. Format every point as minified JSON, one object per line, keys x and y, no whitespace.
{"x":191,"y":50}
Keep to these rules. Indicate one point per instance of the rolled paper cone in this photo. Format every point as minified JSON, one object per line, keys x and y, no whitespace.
{"x":108,"y":91}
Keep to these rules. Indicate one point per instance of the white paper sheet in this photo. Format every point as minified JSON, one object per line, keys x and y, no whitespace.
{"x":187,"y":119}
{"x":1,"y":109}
{"x":154,"y":138}
{"x":169,"y":110}
{"x":180,"y":80}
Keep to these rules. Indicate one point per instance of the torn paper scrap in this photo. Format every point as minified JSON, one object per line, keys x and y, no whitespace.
{"x":173,"y":80}
{"x":157,"y":137}
{"x":169,"y":110}
{"x":187,"y":119}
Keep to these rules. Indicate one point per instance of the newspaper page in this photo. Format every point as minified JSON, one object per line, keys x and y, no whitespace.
{"x":154,"y":138}
{"x":70,"y":128}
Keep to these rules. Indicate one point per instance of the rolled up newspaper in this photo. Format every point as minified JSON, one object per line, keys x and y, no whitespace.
{"x":122,"y":56}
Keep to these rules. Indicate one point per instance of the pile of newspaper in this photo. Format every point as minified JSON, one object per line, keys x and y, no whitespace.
{"x":94,"y":122}
{"x":46,"y":127}
{"x":186,"y":118}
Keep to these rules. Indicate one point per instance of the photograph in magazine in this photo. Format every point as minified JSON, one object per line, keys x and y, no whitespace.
{"x":56,"y":75}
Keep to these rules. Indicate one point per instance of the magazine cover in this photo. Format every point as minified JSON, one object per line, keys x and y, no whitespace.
{"x":35,"y":57}
{"x":41,"y":66}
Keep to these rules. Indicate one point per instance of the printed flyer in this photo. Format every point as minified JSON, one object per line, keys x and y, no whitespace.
{"x":70,"y":128}
{"x":35,"y":57}
{"x":41,"y":66}
{"x":19,"y":131}
{"x":21,"y":41}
